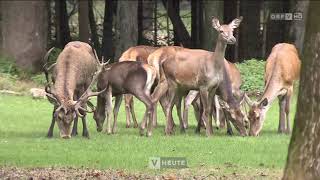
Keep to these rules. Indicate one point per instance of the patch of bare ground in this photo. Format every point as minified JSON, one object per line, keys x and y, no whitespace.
{"x":223,"y":173}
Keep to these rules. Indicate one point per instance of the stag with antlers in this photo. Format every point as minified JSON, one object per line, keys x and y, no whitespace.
{"x":74,"y":73}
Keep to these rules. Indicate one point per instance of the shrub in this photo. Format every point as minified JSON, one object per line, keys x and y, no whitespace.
{"x":7,"y":66}
{"x":252,"y":74}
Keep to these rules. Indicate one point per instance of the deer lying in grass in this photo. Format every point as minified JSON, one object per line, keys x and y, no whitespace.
{"x":193,"y":69}
{"x":128,"y":77}
{"x":281,"y":71}
{"x":74,"y":73}
{"x":137,"y":53}
{"x":229,"y":102}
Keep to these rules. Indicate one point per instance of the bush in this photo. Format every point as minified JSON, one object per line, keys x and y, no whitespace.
{"x":252,"y":74}
{"x":7,"y":66}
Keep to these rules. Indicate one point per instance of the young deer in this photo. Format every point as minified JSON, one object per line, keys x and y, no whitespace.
{"x":137,"y":53}
{"x":193,"y":69}
{"x":281,"y":71}
{"x":128,"y":77}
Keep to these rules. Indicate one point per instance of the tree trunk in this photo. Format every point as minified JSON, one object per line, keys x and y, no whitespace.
{"x":140,"y":21}
{"x":1,"y":39}
{"x":249,"y":38}
{"x":83,"y":18}
{"x":297,"y":28}
{"x":178,"y":26}
{"x":275,"y":36}
{"x":107,"y":39}
{"x":147,"y":14}
{"x":126,"y":26}
{"x":210,"y":35}
{"x":50,"y":43}
{"x":25,"y":33}
{"x":303,"y":157}
{"x":155,"y":23}
{"x":196,"y":23}
{"x":230,"y":12}
{"x":93,"y":28}
{"x":62,"y":24}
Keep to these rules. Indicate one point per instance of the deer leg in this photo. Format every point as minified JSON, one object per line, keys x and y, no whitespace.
{"x":107,"y":126}
{"x":192,"y":95}
{"x":217,"y":108}
{"x":222,"y":119}
{"x":85,"y":132}
{"x":282,"y":122}
{"x":206,"y":115}
{"x":287,"y":109}
{"x":75,"y":127}
{"x":115,"y":112}
{"x":155,"y":118}
{"x":148,"y":113}
{"x":229,"y":127}
{"x":128,"y":109}
{"x":178,"y":106}
{"x":164,"y":102}
{"x":134,"y":119}
{"x":53,"y":121}
{"x":169,"y":107}
{"x":198,"y":110}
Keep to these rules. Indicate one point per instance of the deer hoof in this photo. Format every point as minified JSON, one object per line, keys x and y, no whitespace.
{"x":74,"y":133}
{"x":149,"y":134}
{"x":114,"y":131}
{"x":127,"y":125}
{"x":182,"y":130}
{"x":85,"y":134}
{"x":135,"y":125}
{"x":229,"y":132}
{"x":141,"y":132}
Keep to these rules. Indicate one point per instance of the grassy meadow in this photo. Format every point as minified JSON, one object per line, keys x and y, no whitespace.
{"x":25,"y":121}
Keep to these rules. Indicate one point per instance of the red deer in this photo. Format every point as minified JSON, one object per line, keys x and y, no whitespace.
{"x":233,"y":76}
{"x":74,"y":73}
{"x":282,"y":69}
{"x":137,"y":53}
{"x":194,"y":69}
{"x":128,"y":77}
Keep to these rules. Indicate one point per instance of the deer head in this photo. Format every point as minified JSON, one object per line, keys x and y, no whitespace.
{"x":236,"y":115}
{"x":226,"y":30}
{"x":256,"y":115}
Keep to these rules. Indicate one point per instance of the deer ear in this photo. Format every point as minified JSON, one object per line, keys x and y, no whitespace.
{"x":236,"y":22}
{"x":215,"y":23}
{"x":263,"y":103}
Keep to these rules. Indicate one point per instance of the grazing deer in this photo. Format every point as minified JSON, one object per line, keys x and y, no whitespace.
{"x":74,"y":73}
{"x":137,"y":53}
{"x":193,"y":69}
{"x":232,"y":80}
{"x":282,"y":69}
{"x":127,"y":77}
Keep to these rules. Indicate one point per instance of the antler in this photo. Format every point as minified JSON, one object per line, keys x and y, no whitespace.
{"x":88,"y":93}
{"x":51,"y":96}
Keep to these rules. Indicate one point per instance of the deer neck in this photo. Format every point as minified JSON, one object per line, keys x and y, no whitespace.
{"x":225,"y":90}
{"x":219,"y":53}
{"x":273,"y":89}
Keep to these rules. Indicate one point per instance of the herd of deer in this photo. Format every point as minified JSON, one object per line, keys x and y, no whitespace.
{"x":167,"y":75}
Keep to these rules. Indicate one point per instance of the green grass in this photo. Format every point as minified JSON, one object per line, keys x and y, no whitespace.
{"x":24,"y":124}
